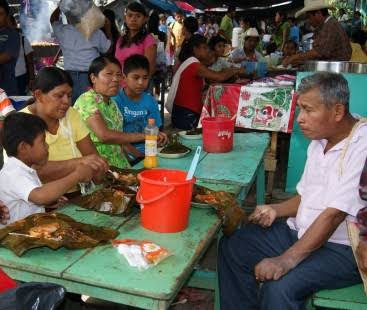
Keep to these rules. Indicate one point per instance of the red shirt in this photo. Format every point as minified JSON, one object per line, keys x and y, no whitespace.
{"x":190,"y":88}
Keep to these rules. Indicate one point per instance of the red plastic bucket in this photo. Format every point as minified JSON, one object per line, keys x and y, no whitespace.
{"x":218,"y":134}
{"x":165,"y":198}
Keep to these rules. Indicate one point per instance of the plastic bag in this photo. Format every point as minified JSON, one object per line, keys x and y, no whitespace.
{"x":84,"y":15}
{"x":32,"y":295}
{"x":141,"y":254}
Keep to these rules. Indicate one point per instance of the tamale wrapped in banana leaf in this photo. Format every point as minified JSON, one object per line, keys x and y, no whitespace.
{"x":174,"y":146}
{"x":53,"y":230}
{"x":226,"y":205}
{"x":123,"y":177}
{"x":114,"y":200}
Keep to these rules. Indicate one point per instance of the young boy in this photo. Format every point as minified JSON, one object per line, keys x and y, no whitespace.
{"x":290,"y":48}
{"x":21,"y":190}
{"x":218,"y":45}
{"x":135,"y":104}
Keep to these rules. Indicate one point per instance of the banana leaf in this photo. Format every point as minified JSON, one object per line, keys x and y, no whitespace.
{"x":114,"y":200}
{"x":174,"y":146}
{"x":53,"y":230}
{"x":225,"y":204}
{"x":123,"y":177}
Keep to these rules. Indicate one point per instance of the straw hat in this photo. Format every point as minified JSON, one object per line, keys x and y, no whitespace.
{"x":314,"y":5}
{"x":251,"y":32}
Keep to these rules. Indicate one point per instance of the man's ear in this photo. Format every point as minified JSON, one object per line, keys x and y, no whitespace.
{"x":340,"y":111}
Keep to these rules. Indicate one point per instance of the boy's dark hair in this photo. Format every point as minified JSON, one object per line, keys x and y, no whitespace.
{"x":191,"y":24}
{"x":179,"y":12}
{"x":215,"y":40}
{"x":135,"y":62}
{"x":99,"y":63}
{"x":20,"y":127}
{"x":5,"y":5}
{"x":50,"y":77}
{"x":187,"y":49}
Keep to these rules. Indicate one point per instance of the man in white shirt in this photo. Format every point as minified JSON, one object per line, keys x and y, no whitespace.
{"x":311,"y":251}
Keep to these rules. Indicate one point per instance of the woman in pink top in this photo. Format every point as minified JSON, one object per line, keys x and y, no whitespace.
{"x":136,"y":39}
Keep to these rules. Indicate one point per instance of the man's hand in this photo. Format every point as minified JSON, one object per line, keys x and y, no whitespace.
{"x":264,"y":215}
{"x":4,"y":214}
{"x":272,"y":268}
{"x":362,"y":256}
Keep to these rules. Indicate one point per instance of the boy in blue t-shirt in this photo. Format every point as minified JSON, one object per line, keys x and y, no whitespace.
{"x":136,"y":105}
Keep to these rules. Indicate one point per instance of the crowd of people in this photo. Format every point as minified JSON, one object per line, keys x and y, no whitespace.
{"x":92,"y":113}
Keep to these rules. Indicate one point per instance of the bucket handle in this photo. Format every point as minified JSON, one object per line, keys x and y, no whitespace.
{"x":140,"y":200}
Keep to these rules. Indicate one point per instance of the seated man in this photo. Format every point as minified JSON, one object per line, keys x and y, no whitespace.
{"x":362,"y":220}
{"x":311,"y":251}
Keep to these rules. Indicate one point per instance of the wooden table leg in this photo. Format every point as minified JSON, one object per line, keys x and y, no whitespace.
{"x":260,"y":185}
{"x":271,"y":162}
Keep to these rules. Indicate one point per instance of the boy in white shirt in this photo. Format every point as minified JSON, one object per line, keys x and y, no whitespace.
{"x":21,"y":190}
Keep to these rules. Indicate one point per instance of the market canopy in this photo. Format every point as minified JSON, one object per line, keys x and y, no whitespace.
{"x":250,"y":4}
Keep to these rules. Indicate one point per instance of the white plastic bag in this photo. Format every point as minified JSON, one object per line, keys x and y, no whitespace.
{"x":86,"y":17}
{"x":141,"y":254}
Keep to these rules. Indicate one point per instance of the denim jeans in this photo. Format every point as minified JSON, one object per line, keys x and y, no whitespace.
{"x":330,"y":267}
{"x":81,"y":84}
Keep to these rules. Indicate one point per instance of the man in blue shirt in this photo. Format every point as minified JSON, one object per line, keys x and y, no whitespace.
{"x":294,"y":31}
{"x":9,"y":50}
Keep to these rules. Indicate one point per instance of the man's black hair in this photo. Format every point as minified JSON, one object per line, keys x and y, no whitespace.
{"x":135,"y":62}
{"x":4,"y":4}
{"x":21,"y":127}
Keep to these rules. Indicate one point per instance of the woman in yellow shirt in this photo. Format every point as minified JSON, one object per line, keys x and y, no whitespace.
{"x":68,"y":138}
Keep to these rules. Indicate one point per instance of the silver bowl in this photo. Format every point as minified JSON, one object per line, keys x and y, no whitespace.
{"x":336,"y":66}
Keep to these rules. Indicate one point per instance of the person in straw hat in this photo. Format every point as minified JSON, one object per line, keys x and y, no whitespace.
{"x":248,"y":52}
{"x":330,"y":40}
{"x":300,"y":246}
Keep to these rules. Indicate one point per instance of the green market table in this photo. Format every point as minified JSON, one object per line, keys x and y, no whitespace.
{"x":102,"y":273}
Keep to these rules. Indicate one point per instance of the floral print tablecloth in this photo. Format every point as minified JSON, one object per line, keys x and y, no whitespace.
{"x":261,"y":108}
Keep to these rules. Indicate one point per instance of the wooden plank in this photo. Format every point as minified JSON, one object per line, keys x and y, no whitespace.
{"x":236,"y":167}
{"x":105,"y":268}
{"x":50,"y":262}
{"x":217,"y":186}
{"x":94,"y":291}
{"x":349,"y":298}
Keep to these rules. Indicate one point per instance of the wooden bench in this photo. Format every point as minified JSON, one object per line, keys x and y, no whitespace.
{"x":349,"y":298}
